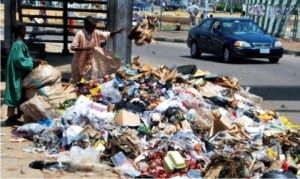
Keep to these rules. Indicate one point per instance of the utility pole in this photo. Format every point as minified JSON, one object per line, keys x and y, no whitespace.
{"x":120,"y":16}
{"x":9,"y":20}
{"x":65,"y":28}
{"x":160,"y":19}
{"x":297,"y":25}
{"x":205,"y":9}
{"x":230,"y":4}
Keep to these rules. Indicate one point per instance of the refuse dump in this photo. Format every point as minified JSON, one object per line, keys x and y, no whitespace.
{"x":162,"y":122}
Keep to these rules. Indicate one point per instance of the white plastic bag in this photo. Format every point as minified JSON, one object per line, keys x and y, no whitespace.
{"x":83,"y":156}
{"x":108,"y":90}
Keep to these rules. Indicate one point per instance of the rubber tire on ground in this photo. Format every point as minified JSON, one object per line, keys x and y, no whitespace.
{"x":226,"y":55}
{"x":194,"y":50}
{"x":273,"y":60}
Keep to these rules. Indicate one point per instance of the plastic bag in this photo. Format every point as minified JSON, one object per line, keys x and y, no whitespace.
{"x":29,"y":130}
{"x":81,"y":156}
{"x":71,"y":134}
{"x":41,"y":76}
{"x":108,"y":89}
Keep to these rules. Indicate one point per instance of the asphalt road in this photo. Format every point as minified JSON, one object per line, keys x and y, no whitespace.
{"x":278,"y":84}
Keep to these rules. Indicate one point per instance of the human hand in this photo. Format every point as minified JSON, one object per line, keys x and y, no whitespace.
{"x":43,"y":62}
{"x":38,"y":62}
{"x":90,"y":48}
{"x":121,"y":29}
{"x":117,"y":31}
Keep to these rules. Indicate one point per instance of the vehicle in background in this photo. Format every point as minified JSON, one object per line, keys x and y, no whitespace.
{"x":172,"y":6}
{"x":141,"y":6}
{"x":233,"y":38}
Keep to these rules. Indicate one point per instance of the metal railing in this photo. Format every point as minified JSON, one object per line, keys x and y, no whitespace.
{"x":50,"y":21}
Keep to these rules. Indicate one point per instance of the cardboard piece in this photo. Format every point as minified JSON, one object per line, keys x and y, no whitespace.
{"x":217,"y":124}
{"x":127,"y":118}
{"x":37,"y":108}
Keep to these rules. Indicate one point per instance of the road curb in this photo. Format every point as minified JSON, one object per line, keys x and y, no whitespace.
{"x":288,"y":52}
{"x":291,"y":52}
{"x":169,"y":40}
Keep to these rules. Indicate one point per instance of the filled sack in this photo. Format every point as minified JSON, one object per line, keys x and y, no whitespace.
{"x":40,"y":76}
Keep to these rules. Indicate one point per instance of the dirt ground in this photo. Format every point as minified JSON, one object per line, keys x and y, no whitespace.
{"x":290,"y":44}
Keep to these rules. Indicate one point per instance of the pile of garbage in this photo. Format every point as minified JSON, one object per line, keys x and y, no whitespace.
{"x":161,"y":122}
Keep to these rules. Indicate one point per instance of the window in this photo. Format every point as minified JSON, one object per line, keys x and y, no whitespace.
{"x":240,"y":27}
{"x":205,"y":26}
{"x":216,"y":25}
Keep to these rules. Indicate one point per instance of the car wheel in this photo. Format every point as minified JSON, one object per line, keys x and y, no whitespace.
{"x":226,"y":55}
{"x":195,"y":52}
{"x":273,"y":60}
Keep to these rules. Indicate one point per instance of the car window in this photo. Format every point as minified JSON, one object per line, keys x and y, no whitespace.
{"x":251,"y":26}
{"x":226,"y":27}
{"x":216,"y":25}
{"x":205,"y":26}
{"x":240,"y":27}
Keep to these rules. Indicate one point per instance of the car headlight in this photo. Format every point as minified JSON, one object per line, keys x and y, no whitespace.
{"x":241,"y":44}
{"x":278,"y":44}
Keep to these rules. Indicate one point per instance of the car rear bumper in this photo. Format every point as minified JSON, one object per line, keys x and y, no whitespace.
{"x":257,"y":53}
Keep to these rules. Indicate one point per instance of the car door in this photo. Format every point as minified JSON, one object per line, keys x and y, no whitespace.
{"x":215,"y":38}
{"x":202,"y":35}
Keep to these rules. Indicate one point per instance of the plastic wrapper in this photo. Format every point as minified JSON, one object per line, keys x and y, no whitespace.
{"x":188,"y":140}
{"x":123,"y":165}
{"x":41,"y":76}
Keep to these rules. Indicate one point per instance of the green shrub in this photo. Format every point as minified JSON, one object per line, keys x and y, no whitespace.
{"x":238,"y":8}
{"x":220,"y":7}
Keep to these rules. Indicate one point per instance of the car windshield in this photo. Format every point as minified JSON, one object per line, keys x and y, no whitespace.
{"x":241,"y":27}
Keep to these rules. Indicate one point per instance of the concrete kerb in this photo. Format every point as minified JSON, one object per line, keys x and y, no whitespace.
{"x":169,"y":40}
{"x":289,"y":52}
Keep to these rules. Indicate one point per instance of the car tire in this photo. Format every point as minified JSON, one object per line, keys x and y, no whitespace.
{"x":273,"y":60}
{"x":194,"y":50}
{"x":227,"y":55}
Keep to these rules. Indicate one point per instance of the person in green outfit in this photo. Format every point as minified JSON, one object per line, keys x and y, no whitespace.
{"x":19,"y":64}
